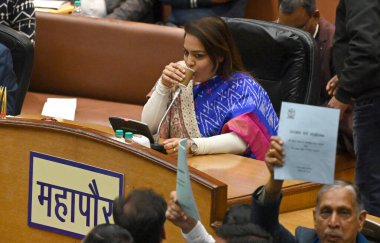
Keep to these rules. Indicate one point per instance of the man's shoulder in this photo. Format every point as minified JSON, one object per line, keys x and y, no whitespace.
{"x":326,"y":31}
{"x":325,"y":25}
{"x":3,"y":49}
{"x":304,"y":234}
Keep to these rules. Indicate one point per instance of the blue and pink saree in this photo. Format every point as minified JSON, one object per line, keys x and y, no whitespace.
{"x":218,"y":106}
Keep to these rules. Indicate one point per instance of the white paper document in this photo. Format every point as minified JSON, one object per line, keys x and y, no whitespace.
{"x":60,"y":108}
{"x":310,"y":137}
{"x":185,"y":195}
{"x":54,"y":4}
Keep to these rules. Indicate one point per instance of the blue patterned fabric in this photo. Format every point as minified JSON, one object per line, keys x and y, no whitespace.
{"x":217,"y":101}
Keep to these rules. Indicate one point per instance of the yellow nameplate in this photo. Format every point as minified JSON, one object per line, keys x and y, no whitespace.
{"x":69,"y":197}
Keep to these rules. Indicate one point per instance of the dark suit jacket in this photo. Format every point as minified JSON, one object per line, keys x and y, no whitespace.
{"x":325,"y":39}
{"x":266,"y":216}
{"x":357,"y":49}
{"x":8,"y":77}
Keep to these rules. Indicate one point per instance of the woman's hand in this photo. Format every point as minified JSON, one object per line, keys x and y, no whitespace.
{"x":171,"y":145}
{"x":172,"y":74}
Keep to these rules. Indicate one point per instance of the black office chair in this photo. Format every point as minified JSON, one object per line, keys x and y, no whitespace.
{"x":22,"y":50}
{"x":284,"y":60}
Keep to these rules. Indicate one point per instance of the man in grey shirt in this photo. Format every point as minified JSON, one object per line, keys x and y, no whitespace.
{"x":134,"y":10}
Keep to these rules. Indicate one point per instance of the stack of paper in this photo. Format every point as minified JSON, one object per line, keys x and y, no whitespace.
{"x":53,"y":4}
{"x":60,"y":108}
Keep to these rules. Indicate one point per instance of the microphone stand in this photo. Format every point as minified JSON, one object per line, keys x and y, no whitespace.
{"x":156,"y":145}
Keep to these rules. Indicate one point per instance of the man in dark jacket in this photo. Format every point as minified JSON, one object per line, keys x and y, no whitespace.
{"x":184,"y":11}
{"x":338,"y":216}
{"x":356,"y":54}
{"x":303,"y":14}
{"x":8,"y":78}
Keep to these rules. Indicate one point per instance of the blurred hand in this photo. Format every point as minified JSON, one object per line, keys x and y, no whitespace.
{"x":332,"y":85}
{"x":172,"y":74}
{"x":274,"y":157}
{"x":275,"y":154}
{"x":334,"y":103}
{"x":171,"y":145}
{"x":177,"y":216}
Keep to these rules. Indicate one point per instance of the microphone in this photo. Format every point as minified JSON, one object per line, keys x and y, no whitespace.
{"x":176,"y":94}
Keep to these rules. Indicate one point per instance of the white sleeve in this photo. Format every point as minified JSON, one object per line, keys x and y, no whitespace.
{"x":156,"y":106}
{"x":198,"y":234}
{"x":221,"y":144}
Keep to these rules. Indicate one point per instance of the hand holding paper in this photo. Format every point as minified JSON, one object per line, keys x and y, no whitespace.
{"x":310,"y":136}
{"x":185,"y":195}
{"x":177,"y":216}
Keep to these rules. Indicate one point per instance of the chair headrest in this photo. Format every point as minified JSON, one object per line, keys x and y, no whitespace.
{"x":284,"y":60}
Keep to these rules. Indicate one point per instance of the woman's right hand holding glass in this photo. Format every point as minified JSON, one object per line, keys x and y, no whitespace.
{"x":172,"y":74}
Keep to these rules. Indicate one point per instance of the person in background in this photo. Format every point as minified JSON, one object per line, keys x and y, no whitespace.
{"x":8,"y":78}
{"x":185,"y":11}
{"x":236,"y":226}
{"x":19,"y":15}
{"x":108,"y":233}
{"x":223,"y":109}
{"x":303,"y":14}
{"x":142,"y":213}
{"x":133,"y":10}
{"x":339,"y":214}
{"x":357,"y":62}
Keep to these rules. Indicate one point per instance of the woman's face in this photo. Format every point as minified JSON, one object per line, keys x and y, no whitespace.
{"x":196,"y":57}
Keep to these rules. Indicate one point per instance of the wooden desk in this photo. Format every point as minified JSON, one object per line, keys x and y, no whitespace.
{"x":218,"y":180}
{"x":243,"y":175}
{"x":141,"y":167}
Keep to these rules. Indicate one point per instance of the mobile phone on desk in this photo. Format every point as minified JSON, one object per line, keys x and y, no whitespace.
{"x":136,"y":127}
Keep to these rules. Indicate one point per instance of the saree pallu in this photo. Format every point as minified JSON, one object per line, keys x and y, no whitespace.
{"x":217,"y":106}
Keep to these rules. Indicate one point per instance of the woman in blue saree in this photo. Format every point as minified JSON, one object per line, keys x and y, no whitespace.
{"x":222,"y":110}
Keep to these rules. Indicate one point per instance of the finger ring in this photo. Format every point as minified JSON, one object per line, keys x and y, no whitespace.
{"x":173,"y":146}
{"x":175,"y":149}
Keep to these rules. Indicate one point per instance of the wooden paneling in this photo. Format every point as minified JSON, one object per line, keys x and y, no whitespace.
{"x":327,"y":8}
{"x":262,"y":9}
{"x":142,"y":168}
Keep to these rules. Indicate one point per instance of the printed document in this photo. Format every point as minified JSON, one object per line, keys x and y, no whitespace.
{"x":185,"y":195}
{"x":310,"y":137}
{"x":60,"y":108}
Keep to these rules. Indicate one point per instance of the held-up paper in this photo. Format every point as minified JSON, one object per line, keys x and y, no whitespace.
{"x":310,"y":136}
{"x":185,"y":195}
{"x":60,"y":108}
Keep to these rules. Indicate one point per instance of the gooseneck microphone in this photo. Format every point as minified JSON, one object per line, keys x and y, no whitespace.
{"x":175,"y":96}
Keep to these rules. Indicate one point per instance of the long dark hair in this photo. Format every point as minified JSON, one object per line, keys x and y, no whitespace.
{"x":217,"y":39}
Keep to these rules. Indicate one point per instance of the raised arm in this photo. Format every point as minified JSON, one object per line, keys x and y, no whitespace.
{"x":192,"y":230}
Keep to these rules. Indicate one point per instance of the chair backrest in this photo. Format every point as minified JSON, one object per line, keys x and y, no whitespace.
{"x":284,"y":60}
{"x":22,"y":51}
